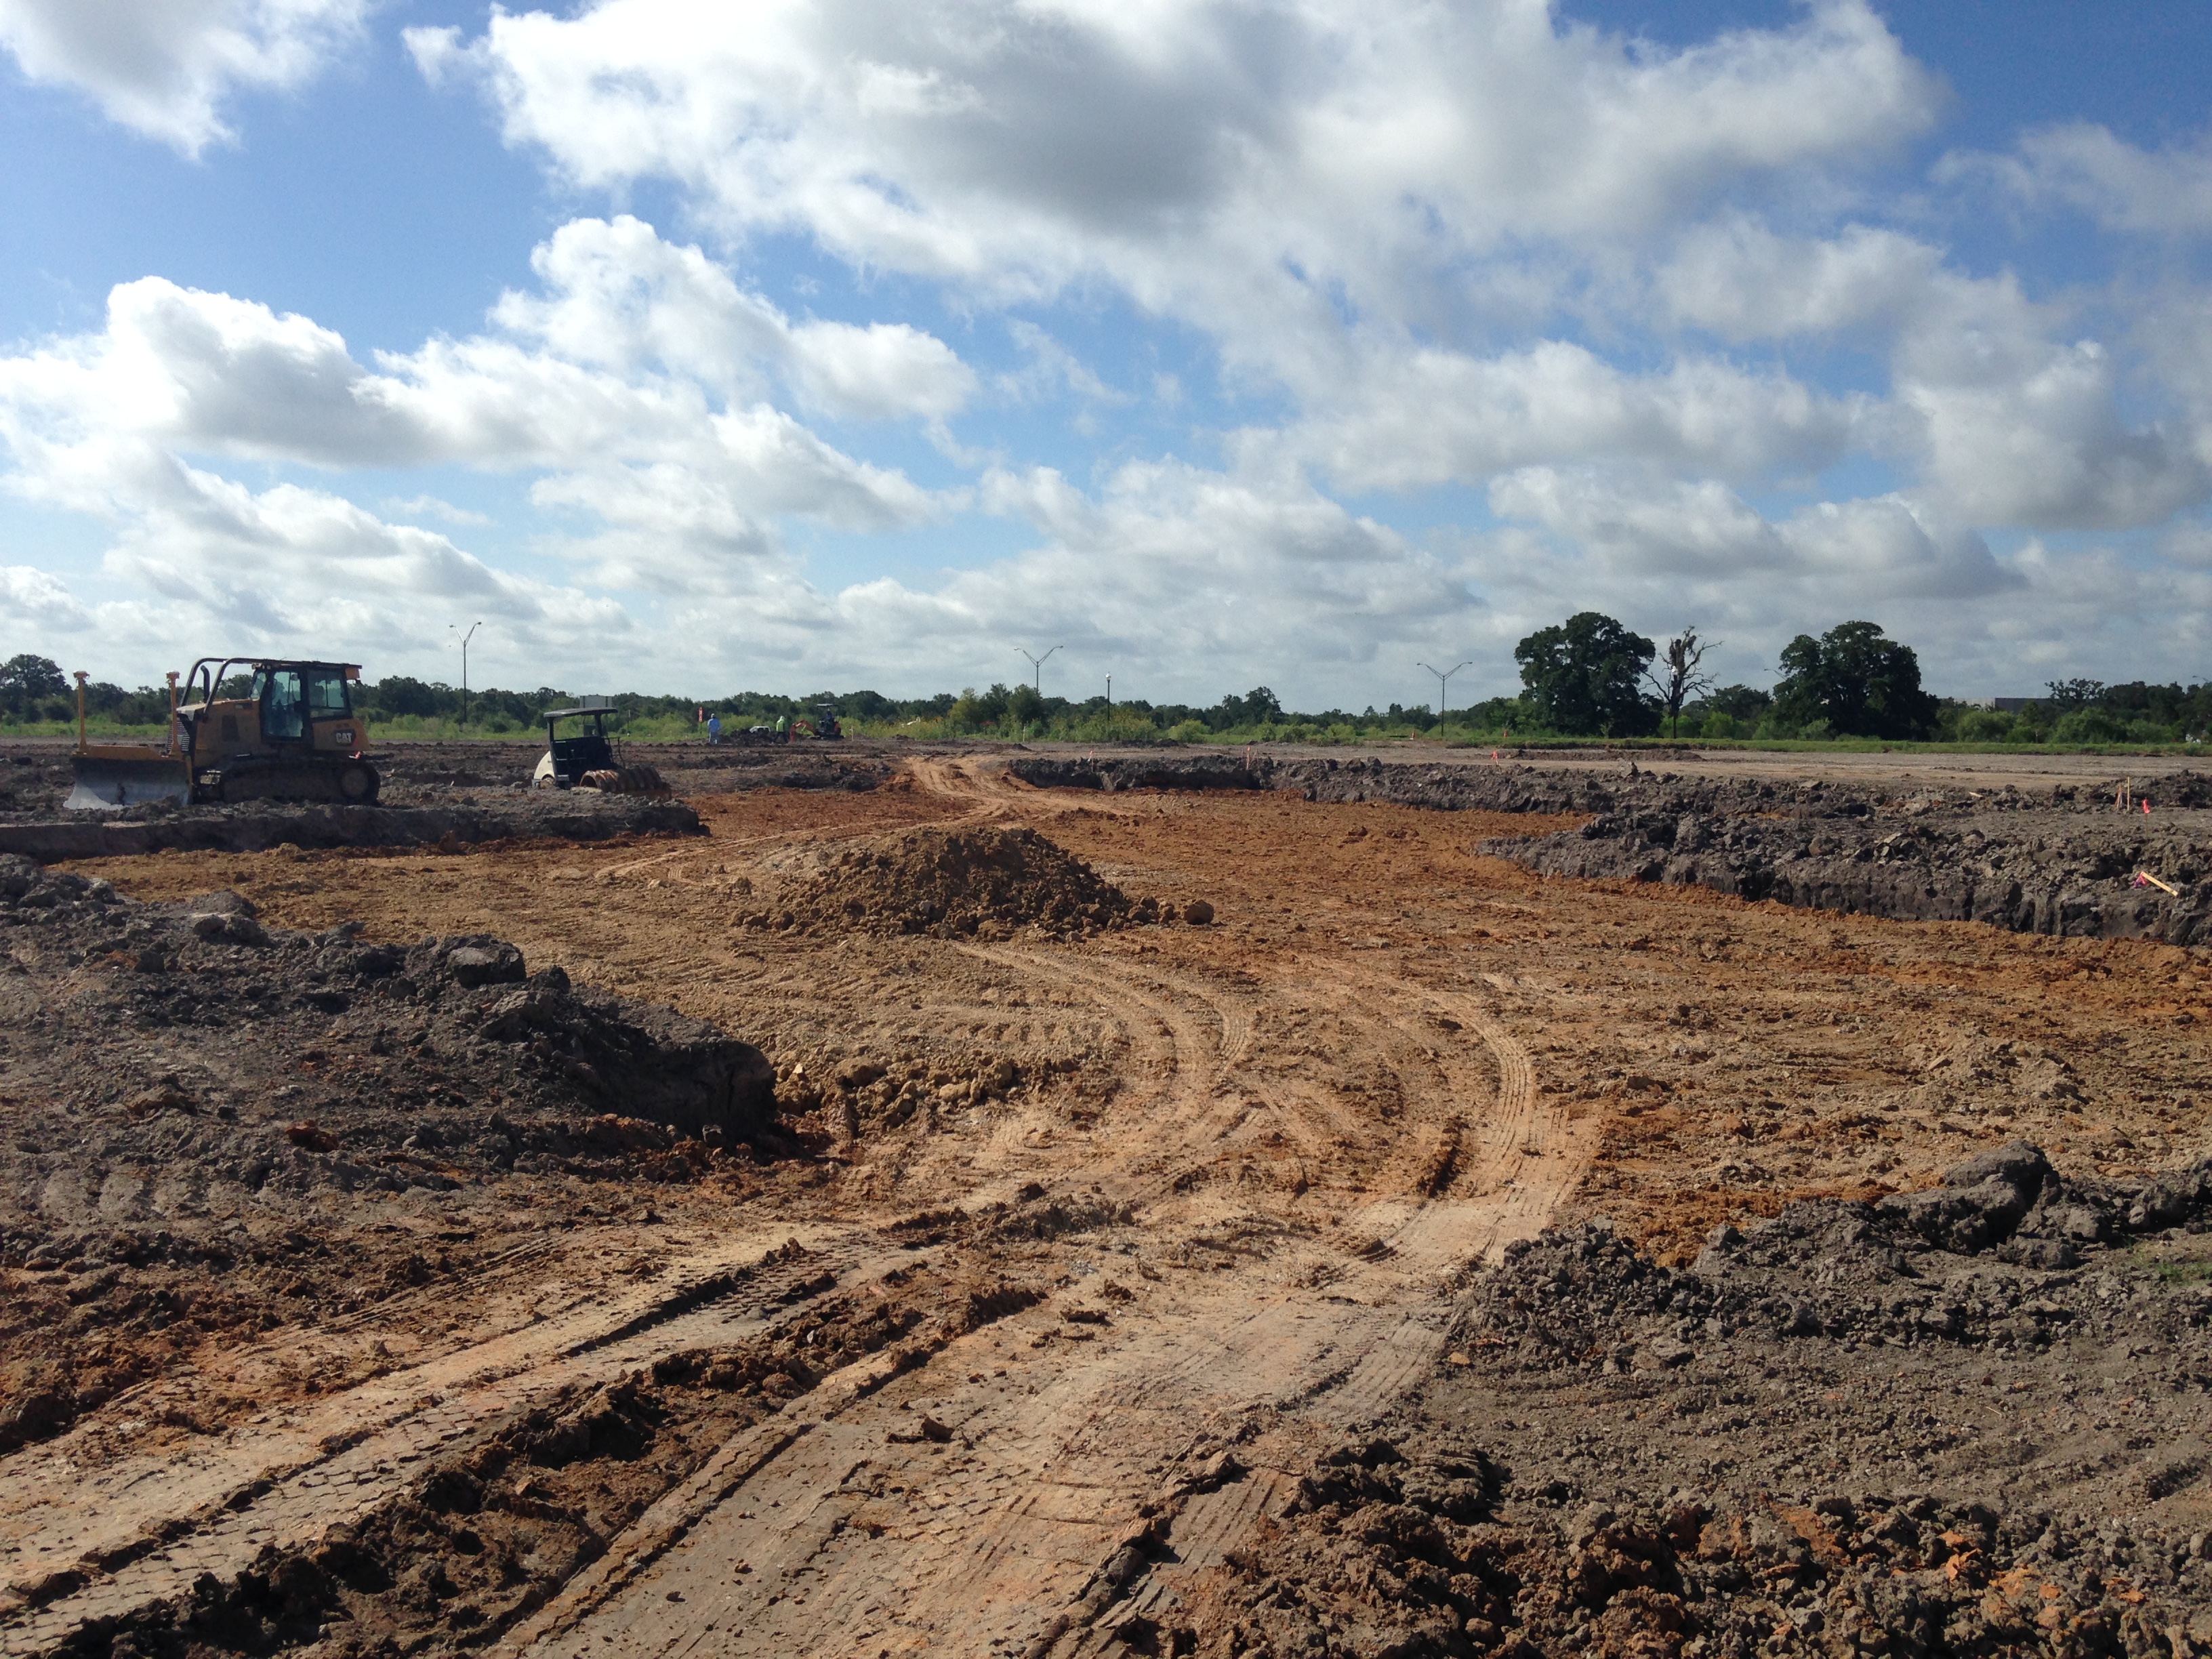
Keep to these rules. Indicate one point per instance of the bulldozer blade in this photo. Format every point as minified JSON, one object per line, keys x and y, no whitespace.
{"x":108,"y":786}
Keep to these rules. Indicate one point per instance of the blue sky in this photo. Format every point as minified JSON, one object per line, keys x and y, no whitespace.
{"x":860,"y":343}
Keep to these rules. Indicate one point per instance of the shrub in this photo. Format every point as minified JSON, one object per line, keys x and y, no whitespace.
{"x":1985,"y":725}
{"x":2088,"y":726}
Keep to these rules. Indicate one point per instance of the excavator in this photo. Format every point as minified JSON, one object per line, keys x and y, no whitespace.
{"x":292,"y":735}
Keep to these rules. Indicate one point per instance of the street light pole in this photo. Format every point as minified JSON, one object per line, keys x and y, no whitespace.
{"x":1037,"y":663}
{"x":454,"y":628}
{"x":1443,"y":681}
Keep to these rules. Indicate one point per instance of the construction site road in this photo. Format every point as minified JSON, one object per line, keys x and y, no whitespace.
{"x":1208,"y":1197}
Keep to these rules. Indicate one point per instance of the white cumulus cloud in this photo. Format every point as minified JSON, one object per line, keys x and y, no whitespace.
{"x":633,"y":389}
{"x":166,"y":68}
{"x":1423,"y":416}
{"x":39,"y":599}
{"x":570,"y":384}
{"x":2085,"y":167}
{"x":615,"y":296}
{"x":1208,"y":156}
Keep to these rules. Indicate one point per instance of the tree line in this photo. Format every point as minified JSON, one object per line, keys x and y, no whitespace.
{"x":1586,"y":676}
{"x":1589,"y":676}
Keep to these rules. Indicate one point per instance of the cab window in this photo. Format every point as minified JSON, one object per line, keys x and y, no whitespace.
{"x":283,"y":714}
{"x":326,"y":694}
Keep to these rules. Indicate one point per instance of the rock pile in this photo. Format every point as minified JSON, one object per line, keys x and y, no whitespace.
{"x":951,"y":883}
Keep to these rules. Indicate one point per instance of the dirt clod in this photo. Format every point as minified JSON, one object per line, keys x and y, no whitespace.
{"x":194,"y":1089}
{"x":1822,"y":1461}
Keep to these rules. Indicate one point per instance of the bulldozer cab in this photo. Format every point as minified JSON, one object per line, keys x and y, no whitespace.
{"x":288,"y":708}
{"x":586,"y":749}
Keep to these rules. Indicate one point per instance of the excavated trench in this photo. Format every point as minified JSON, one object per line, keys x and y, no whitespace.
{"x":2065,"y":862}
{"x":566,"y":817}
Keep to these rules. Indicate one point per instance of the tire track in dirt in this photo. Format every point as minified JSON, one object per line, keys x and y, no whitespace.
{"x":145,"y":1529}
{"x":860,"y":1533}
{"x":1186,"y":1054}
{"x":865,"y":1535}
{"x":1509,"y":1203}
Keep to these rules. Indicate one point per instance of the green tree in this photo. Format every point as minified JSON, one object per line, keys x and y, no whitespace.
{"x":1257,"y":707}
{"x":1861,"y":682}
{"x":1584,"y":676}
{"x":401,"y":695}
{"x":1744,"y":705}
{"x":24,"y":678}
{"x":2090,"y":725}
{"x":2067,"y":695}
{"x":1984,"y":725}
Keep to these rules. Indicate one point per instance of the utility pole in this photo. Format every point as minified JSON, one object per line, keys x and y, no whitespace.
{"x":1443,"y":681}
{"x":1110,"y":694}
{"x":1037,"y":663}
{"x":455,"y":627}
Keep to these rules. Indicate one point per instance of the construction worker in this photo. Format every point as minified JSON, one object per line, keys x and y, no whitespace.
{"x":783,"y":728}
{"x":714,"y":728}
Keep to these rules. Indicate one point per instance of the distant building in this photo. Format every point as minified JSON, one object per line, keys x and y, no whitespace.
{"x":2002,"y":705}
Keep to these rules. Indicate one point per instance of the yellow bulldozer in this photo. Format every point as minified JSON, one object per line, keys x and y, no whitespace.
{"x":292,"y":735}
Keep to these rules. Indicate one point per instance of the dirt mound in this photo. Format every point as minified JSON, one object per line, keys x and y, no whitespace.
{"x":1378,"y":1556}
{"x":2068,"y":872}
{"x":1457,"y":786}
{"x":948,"y":882}
{"x":186,"y":1088}
{"x":1960,"y":1421}
{"x":2061,"y":862}
{"x":462,"y":819}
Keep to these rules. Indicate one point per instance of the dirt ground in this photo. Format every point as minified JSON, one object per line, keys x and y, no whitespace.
{"x":1087,"y":1248}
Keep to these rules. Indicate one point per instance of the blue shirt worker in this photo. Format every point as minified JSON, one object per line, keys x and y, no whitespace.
{"x":714,"y":728}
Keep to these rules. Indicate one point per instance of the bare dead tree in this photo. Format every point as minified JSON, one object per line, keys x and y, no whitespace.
{"x":1681,"y":676}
